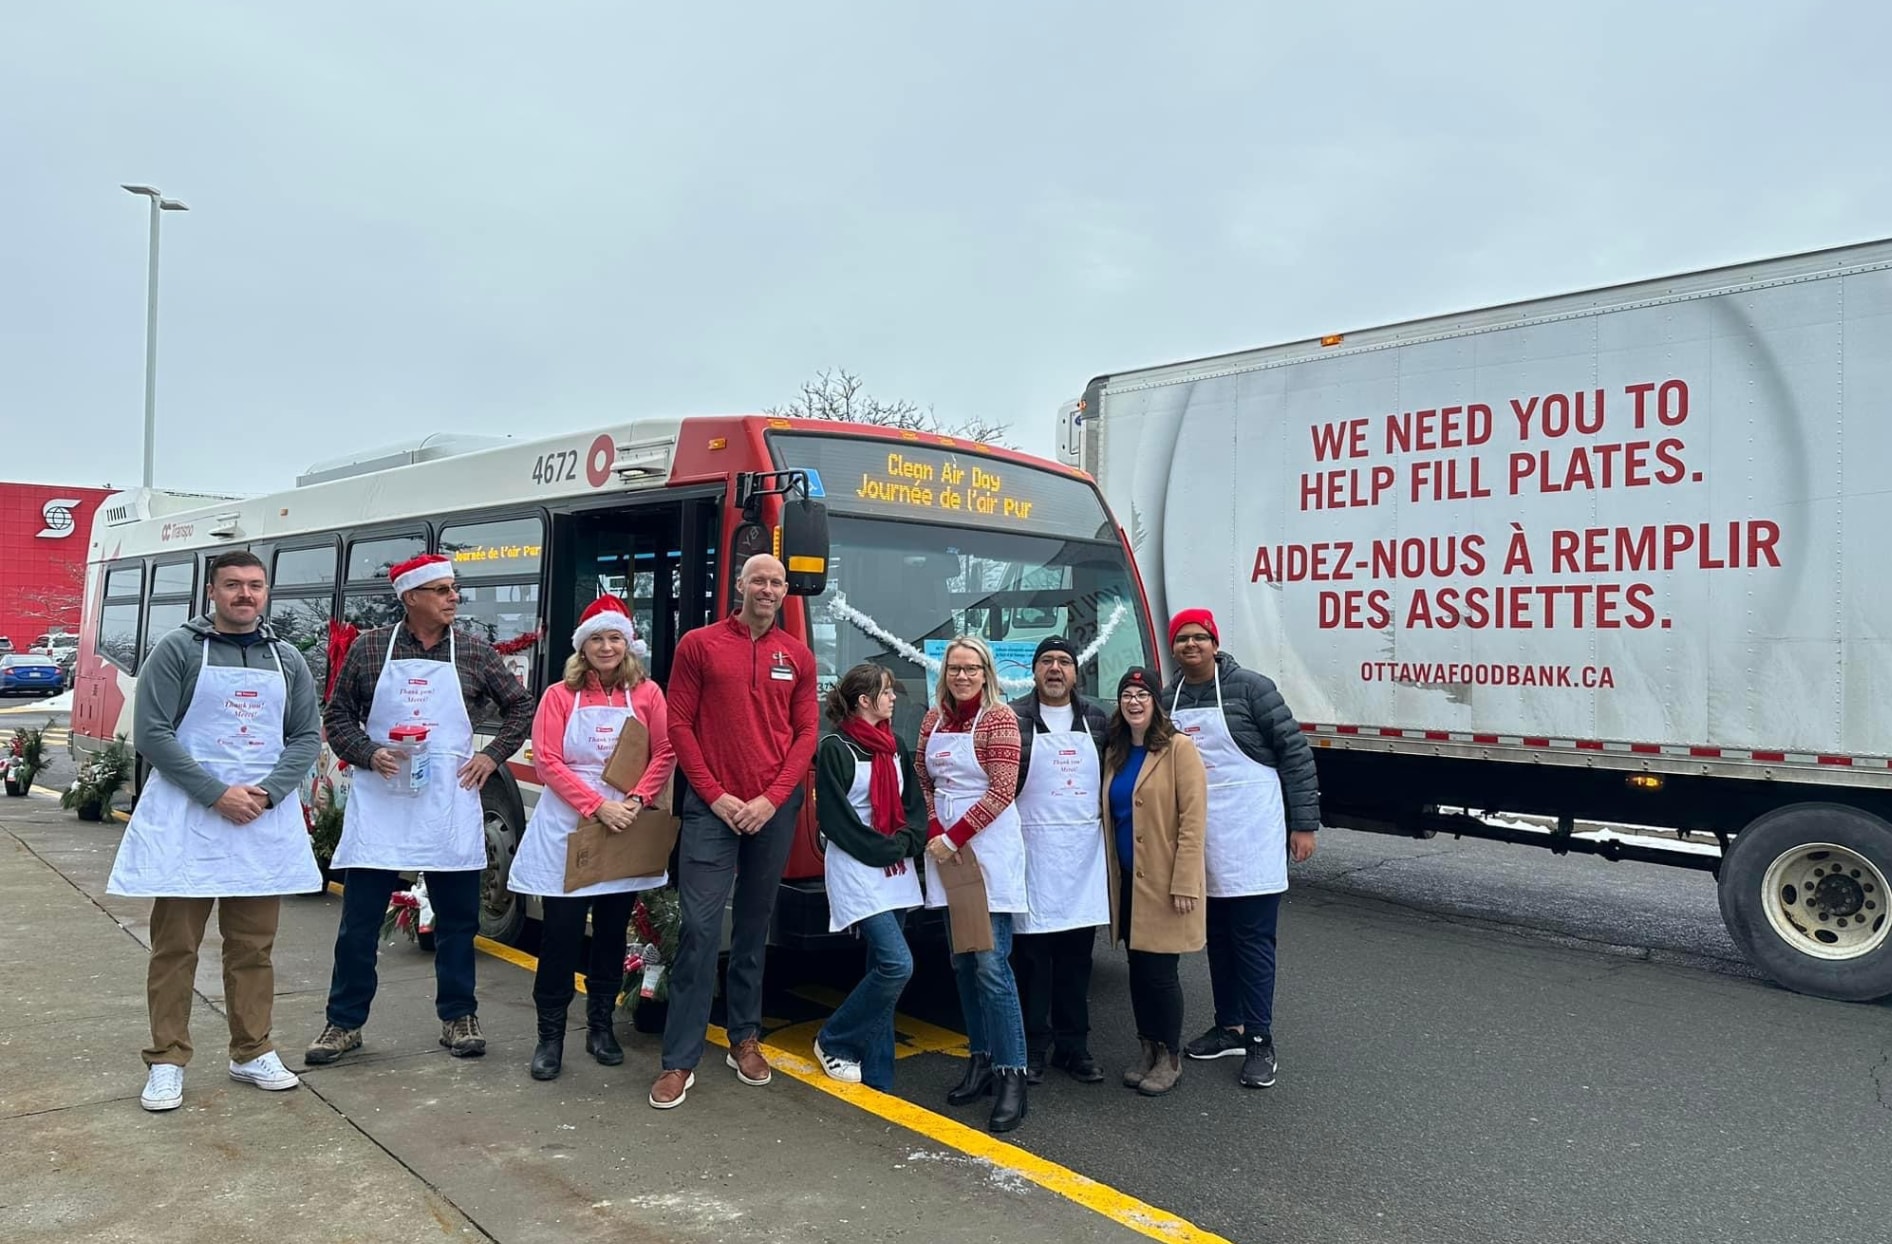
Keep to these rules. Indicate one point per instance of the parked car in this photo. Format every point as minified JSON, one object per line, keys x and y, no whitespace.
{"x":6,"y":645}
{"x":25,"y":674}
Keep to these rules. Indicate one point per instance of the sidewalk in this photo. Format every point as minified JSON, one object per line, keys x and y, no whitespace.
{"x":400,"y":1141}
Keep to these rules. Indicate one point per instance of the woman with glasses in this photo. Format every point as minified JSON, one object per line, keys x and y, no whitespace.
{"x":1156,"y":795}
{"x":1264,"y":806}
{"x":873,"y":816}
{"x":968,"y":768}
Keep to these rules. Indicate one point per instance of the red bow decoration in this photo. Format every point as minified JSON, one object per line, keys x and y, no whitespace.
{"x":341,"y":635}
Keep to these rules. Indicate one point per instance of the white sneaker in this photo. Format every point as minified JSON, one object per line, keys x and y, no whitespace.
{"x":845,"y":1070}
{"x":266,"y":1072}
{"x":164,"y":1088}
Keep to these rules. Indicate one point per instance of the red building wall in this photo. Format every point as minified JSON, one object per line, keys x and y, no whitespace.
{"x":44,"y":529}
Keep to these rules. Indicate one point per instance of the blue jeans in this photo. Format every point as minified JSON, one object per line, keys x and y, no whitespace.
{"x":861,"y":1028}
{"x":988,"y":996}
{"x":1241,"y":961}
{"x":456,"y":901}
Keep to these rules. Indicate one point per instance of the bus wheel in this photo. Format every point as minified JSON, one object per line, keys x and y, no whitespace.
{"x":502,"y":913}
{"x":1804,"y":891}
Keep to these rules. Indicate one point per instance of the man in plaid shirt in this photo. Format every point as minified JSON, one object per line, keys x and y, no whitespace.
{"x":416,"y":815}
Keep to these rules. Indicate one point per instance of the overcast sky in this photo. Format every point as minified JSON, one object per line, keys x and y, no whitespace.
{"x":526,"y":218}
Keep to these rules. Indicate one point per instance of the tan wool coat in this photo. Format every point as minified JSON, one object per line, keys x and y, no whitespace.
{"x":1169,"y":816}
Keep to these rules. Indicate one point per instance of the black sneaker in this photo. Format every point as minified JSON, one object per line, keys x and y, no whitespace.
{"x":1258,"y":1063}
{"x":1217,"y":1042}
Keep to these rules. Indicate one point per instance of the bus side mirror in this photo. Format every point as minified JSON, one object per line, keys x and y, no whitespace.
{"x":805,"y":545}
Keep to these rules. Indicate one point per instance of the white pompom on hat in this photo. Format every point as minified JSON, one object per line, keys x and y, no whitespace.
{"x":608,"y":613}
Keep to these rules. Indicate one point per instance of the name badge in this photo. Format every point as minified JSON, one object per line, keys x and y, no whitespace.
{"x":782,"y":673}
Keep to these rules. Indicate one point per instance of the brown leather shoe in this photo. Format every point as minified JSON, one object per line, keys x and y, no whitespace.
{"x":751,"y":1068}
{"x":670,"y":1087}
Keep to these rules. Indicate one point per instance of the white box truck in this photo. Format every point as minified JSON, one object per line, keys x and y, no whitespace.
{"x":1619,"y":556}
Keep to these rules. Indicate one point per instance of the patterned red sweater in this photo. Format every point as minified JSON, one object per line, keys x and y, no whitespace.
{"x":995,"y":742}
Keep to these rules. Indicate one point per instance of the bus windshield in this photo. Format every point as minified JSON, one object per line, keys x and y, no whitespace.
{"x":898,"y":591}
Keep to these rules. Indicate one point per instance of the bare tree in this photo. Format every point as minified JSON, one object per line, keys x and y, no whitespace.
{"x":840,"y":395}
{"x":52,"y":604}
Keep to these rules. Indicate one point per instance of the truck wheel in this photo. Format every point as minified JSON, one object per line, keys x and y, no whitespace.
{"x":502,"y":913}
{"x":1805,"y":894}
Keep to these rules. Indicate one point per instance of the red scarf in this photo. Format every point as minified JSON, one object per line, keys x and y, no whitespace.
{"x":957,"y":717}
{"x":883,"y":783}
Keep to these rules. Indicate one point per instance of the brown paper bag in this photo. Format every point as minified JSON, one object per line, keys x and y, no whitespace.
{"x":965,"y":900}
{"x":593,"y":853}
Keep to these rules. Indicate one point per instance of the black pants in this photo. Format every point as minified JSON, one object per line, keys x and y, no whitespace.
{"x":1156,"y":997}
{"x":456,"y":901}
{"x":1054,"y":985}
{"x":1241,"y":960}
{"x":562,"y":942}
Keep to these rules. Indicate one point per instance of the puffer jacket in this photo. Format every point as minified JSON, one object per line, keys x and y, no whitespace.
{"x":1261,"y":725}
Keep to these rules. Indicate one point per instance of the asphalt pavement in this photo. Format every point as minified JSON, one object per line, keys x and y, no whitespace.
{"x":1479,"y":1043}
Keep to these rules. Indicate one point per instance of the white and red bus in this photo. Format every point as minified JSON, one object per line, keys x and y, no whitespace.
{"x":924,"y":537}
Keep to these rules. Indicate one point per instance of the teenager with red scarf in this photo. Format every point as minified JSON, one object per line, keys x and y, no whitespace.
{"x":872,"y":814}
{"x":968,"y":766}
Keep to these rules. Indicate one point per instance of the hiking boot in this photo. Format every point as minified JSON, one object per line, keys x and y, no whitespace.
{"x":670,"y":1087}
{"x":751,"y":1068}
{"x":1217,"y":1042}
{"x":1164,"y":1075}
{"x":164,"y":1087}
{"x":1145,"y":1063}
{"x":601,"y":1041}
{"x":331,"y":1045}
{"x":265,"y":1071}
{"x":1078,"y":1064}
{"x":1258,"y":1063}
{"x":463,"y":1037}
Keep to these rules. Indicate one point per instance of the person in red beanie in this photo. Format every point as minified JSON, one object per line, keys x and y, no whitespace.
{"x":1264,"y":807}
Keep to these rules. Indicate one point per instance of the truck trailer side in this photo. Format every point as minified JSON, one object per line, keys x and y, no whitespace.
{"x":1608,"y":556}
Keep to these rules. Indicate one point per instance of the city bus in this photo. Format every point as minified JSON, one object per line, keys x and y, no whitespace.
{"x":925,"y":537}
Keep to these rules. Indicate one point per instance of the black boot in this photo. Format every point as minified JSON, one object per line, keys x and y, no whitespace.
{"x":1035,"y":1067}
{"x":601,"y":1003}
{"x":548,"y":1057}
{"x":978,"y":1081}
{"x":1009,"y":1111}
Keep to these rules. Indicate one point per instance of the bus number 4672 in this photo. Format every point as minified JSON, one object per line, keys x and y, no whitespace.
{"x":552,"y":468}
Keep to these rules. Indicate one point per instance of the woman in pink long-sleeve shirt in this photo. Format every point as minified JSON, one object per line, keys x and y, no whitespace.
{"x":577,"y":728}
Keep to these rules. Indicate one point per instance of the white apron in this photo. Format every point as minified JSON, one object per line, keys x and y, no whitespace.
{"x":1246,"y":851}
{"x":441,"y":829}
{"x":590,"y":736}
{"x":856,"y":890}
{"x":177,"y":848}
{"x":1060,"y":814}
{"x":959,"y":783}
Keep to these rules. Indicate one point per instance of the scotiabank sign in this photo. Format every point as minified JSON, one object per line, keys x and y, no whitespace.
{"x":43,"y":538}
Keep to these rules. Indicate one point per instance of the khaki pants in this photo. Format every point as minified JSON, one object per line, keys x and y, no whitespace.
{"x":248,"y":926}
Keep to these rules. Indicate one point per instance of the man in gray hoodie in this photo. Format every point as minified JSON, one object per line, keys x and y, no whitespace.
{"x":227,"y":719}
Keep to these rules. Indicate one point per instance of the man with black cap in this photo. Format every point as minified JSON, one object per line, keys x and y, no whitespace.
{"x":1059,"y":805}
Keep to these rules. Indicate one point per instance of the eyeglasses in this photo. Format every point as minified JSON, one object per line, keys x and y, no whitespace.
{"x":1057,"y":660}
{"x":1135,"y":697}
{"x":964,"y":671}
{"x":1196,"y":638}
{"x":440,"y":589}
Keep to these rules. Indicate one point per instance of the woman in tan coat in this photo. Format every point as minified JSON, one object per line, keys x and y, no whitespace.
{"x":1156,"y":796}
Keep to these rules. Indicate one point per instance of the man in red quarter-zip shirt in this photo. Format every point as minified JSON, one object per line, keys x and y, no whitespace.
{"x":743,"y":721}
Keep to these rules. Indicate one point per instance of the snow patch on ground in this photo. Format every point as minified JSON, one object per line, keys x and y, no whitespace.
{"x":999,"y":1177}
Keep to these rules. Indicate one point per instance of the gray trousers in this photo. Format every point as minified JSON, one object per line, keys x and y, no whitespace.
{"x":713,"y":859}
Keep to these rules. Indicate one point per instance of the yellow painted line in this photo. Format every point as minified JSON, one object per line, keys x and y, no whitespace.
{"x":911,"y":1036}
{"x":1100,"y":1198}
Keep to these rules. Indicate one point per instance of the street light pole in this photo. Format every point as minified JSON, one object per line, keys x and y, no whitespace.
{"x":158,"y":204}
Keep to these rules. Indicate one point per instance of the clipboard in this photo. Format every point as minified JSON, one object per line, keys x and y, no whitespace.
{"x":966,"y":909}
{"x":593,"y":853}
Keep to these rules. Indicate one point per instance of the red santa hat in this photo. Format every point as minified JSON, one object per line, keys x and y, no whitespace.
{"x":607,"y":613}
{"x":419,"y":572}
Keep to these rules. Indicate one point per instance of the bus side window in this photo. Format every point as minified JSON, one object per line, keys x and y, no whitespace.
{"x":301,"y":601}
{"x":117,"y":639}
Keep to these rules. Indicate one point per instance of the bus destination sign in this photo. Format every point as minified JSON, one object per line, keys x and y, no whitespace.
{"x":919,"y":481}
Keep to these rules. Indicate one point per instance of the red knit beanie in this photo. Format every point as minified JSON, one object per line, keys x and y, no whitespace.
{"x":1201,"y":617}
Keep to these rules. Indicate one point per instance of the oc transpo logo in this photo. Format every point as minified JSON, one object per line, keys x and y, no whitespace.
{"x":58,"y":515}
